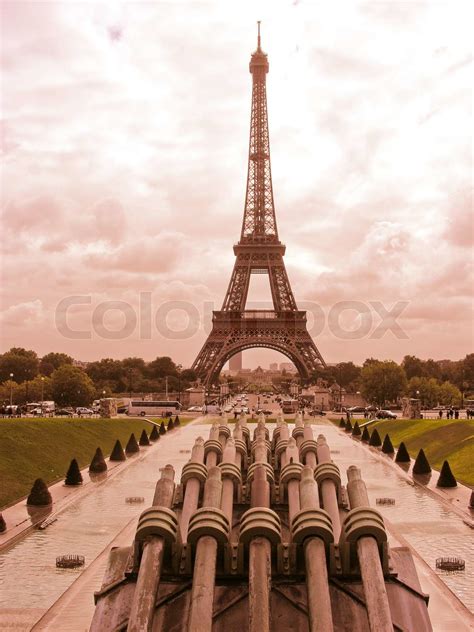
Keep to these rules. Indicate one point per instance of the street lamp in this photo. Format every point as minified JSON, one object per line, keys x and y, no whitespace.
{"x":42,"y":393}
{"x":11,"y":389}
{"x":130,"y":382}
{"x":179,"y":368}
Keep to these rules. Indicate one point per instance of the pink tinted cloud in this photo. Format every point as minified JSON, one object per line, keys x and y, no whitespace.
{"x":124,"y":170}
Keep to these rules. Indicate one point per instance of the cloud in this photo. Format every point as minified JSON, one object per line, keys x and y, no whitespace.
{"x":23,"y":315}
{"x":125,"y":160}
{"x":459,"y":221}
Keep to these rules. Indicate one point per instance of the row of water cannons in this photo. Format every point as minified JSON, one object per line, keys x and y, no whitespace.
{"x":421,"y":466}
{"x":291,"y":470}
{"x":40,"y":496}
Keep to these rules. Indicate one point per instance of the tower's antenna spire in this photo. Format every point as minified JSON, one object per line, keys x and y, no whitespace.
{"x":258,"y":26}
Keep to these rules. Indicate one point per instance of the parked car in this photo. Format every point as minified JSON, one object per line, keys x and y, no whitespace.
{"x":195,"y":409}
{"x":64,"y":412}
{"x":317,"y":413}
{"x":356,"y":409}
{"x":82,"y":410}
{"x":265,"y":411}
{"x":385,"y":414}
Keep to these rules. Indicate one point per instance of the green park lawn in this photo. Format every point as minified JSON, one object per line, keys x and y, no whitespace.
{"x":448,"y":439}
{"x":32,"y":448}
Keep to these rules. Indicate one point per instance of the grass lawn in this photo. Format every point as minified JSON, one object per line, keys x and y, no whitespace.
{"x":448,"y":439}
{"x":32,"y":448}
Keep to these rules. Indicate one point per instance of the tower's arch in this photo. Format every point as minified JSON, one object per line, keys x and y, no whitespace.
{"x":223,"y":358}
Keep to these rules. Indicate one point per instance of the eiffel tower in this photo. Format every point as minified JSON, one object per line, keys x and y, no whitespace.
{"x":259,"y":251}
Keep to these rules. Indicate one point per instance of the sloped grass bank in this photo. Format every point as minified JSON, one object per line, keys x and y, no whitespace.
{"x":448,"y":439}
{"x":32,"y":448}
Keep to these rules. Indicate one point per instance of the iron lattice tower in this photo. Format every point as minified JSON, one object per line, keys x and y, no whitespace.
{"x":259,"y":251}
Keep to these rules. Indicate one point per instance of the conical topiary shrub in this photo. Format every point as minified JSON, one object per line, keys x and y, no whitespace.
{"x":132,"y":446}
{"x":421,"y":464}
{"x":356,"y":431}
{"x":365,"y":435}
{"x":98,"y":464}
{"x":117,"y":453}
{"x":3,"y":524}
{"x":387,"y":447}
{"x":144,"y":438}
{"x":342,"y":423}
{"x":170,"y":425}
{"x":446,"y":477}
{"x":176,"y":421}
{"x":348,"y":427}
{"x":73,"y":475}
{"x":375,"y":440}
{"x":39,"y":495}
{"x":154,"y":434}
{"x":162,"y":428}
{"x":402,"y":454}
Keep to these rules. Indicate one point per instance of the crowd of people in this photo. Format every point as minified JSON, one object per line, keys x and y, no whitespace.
{"x":452,"y":413}
{"x":11,"y":410}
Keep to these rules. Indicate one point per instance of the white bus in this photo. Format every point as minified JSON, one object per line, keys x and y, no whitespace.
{"x":144,"y":408}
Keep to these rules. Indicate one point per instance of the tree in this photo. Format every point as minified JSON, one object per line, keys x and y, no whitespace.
{"x":449,"y":394}
{"x":71,"y":386}
{"x":468,"y":369}
{"x":52,"y":361}
{"x":382,"y":382}
{"x":432,"y":369}
{"x":188,"y":376}
{"x":7,"y":387}
{"x":21,"y":362}
{"x":35,"y":390}
{"x":347,"y":375}
{"x":161,"y":367}
{"x":134,"y":371}
{"x":424,"y":388}
{"x":134,"y":363}
{"x":105,"y":370}
{"x":413,"y":366}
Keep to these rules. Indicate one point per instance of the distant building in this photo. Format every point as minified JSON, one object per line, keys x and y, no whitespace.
{"x":274,"y":366}
{"x":289,"y":367}
{"x":235,"y":363}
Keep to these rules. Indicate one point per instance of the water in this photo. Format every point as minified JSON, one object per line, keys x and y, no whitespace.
{"x":29,"y":578}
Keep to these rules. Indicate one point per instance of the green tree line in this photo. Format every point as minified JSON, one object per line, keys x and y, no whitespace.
{"x":54,"y":376}
{"x":26,"y":377}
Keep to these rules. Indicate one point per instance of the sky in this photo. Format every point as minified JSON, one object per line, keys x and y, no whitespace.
{"x":124,"y":139}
